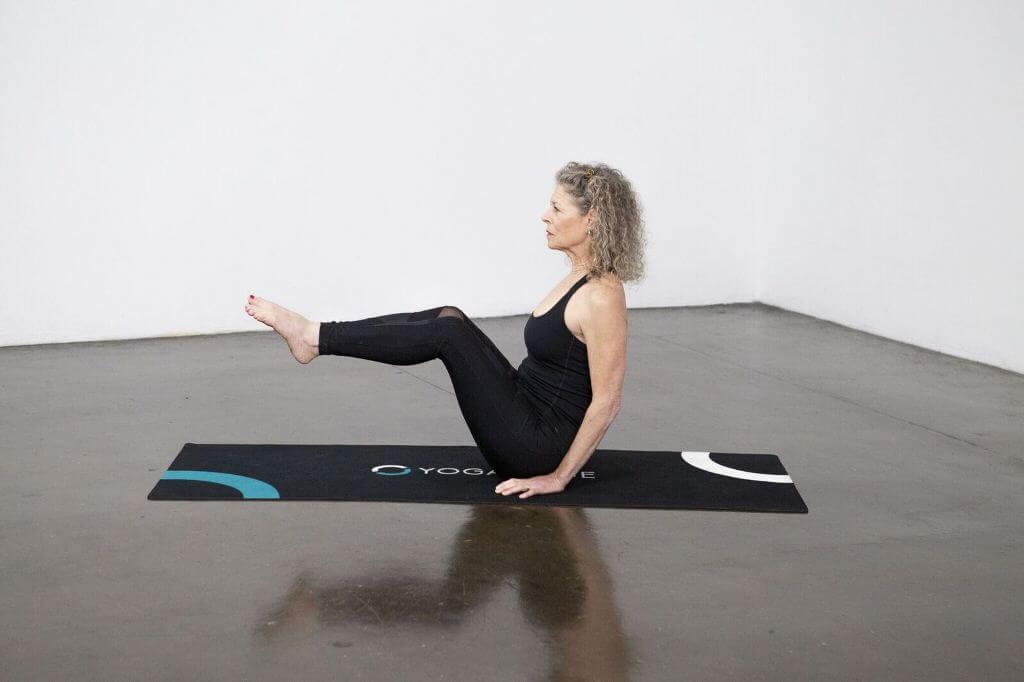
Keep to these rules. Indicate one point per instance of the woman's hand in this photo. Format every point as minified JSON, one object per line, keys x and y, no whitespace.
{"x":538,"y":485}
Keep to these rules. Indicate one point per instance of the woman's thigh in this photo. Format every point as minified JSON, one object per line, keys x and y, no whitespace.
{"x":487,"y":392}
{"x":499,"y":416}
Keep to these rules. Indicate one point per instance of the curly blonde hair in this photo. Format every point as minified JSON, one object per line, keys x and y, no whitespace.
{"x":617,"y":237}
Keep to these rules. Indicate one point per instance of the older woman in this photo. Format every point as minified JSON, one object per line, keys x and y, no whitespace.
{"x":536,"y":425}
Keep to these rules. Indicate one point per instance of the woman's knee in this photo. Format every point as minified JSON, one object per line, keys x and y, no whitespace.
{"x":452,"y":311}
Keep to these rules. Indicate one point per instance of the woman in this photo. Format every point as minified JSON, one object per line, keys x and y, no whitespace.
{"x":539,"y":423}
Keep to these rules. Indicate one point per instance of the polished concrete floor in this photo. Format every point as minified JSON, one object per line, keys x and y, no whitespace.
{"x":908,"y":566}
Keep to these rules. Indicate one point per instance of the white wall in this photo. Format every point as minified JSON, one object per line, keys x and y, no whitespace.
{"x":853,"y":161}
{"x":162,"y":161}
{"x":890,"y":170}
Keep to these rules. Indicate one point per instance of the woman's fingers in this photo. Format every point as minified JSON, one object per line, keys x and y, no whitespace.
{"x":538,"y":485}
{"x":512,"y":485}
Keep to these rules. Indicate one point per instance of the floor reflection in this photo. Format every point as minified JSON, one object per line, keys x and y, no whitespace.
{"x":549,"y":555}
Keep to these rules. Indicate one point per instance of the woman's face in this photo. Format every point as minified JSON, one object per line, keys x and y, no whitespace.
{"x":565,"y":226}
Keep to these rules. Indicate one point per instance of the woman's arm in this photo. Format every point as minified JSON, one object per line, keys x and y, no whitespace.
{"x":604,"y":327}
{"x":598,"y":418}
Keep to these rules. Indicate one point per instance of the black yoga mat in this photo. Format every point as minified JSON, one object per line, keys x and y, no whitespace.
{"x":458,"y":474}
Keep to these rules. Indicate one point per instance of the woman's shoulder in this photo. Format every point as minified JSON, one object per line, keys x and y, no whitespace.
{"x":607,"y":280}
{"x":608,"y":288}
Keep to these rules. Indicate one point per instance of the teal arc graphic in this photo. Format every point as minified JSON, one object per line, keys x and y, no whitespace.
{"x":251,"y":488}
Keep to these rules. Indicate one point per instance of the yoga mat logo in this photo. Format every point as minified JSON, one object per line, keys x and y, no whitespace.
{"x":402,"y":470}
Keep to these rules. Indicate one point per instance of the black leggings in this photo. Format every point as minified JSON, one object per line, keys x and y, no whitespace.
{"x":501,"y":418}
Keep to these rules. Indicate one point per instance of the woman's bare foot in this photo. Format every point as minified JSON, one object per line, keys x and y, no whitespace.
{"x":303,"y":336}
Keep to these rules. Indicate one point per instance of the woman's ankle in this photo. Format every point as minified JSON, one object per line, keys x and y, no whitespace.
{"x":312,"y":336}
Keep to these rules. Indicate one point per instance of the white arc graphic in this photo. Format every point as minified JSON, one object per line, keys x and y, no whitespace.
{"x":702,"y":460}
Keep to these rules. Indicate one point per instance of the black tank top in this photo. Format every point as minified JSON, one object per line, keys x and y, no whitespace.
{"x":555,"y":373}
